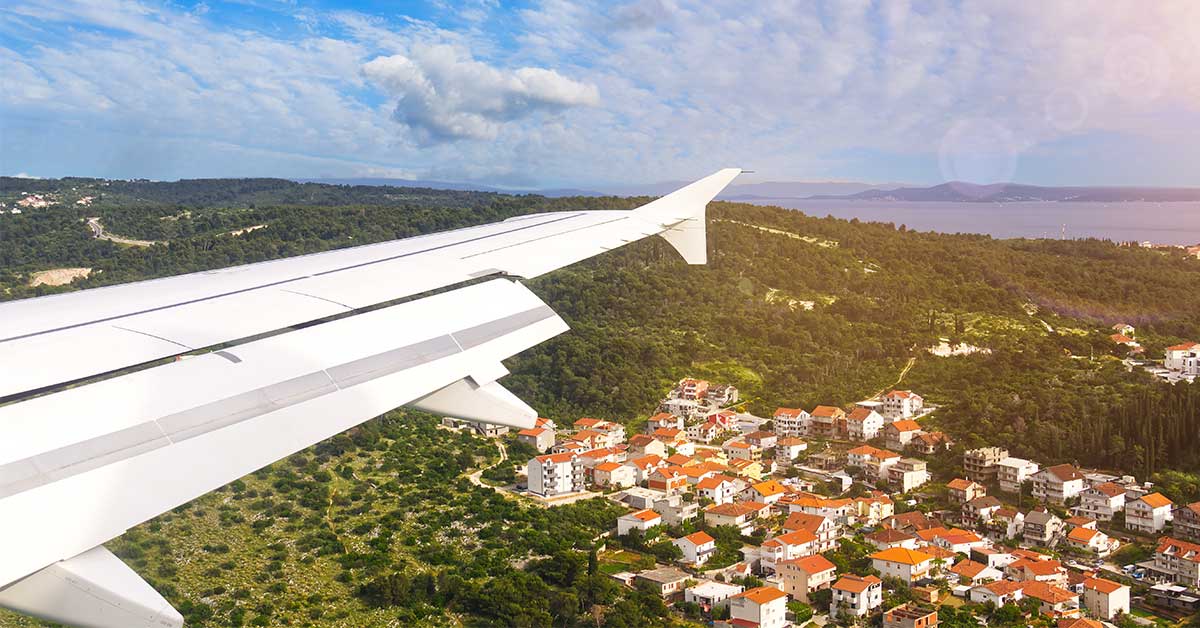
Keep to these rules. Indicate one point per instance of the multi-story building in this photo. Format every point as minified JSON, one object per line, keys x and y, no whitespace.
{"x":824,"y":528}
{"x":980,"y":464}
{"x":1177,"y":562}
{"x":613,"y":474}
{"x":1057,"y":484}
{"x":791,"y":422}
{"x":979,"y":511}
{"x":1091,"y":540}
{"x":1012,"y":472}
{"x":676,"y":510}
{"x":801,"y":576}
{"x":762,"y":607}
{"x":910,"y":616}
{"x":697,"y":547}
{"x":827,"y":421}
{"x":905,"y":564}
{"x":539,"y":438}
{"x":556,"y":474}
{"x":691,"y":389}
{"x":1055,"y":601}
{"x":797,"y":544}
{"x":1101,"y":501}
{"x":1187,"y":522}
{"x":1104,"y":598}
{"x":907,"y":474}
{"x":787,"y":449}
{"x":856,"y":595}
{"x":899,"y":434}
{"x":962,"y":491}
{"x":873,"y":461}
{"x":1148,"y":513}
{"x":721,"y":489}
{"x":863,"y":423}
{"x":902,"y":404}
{"x":1042,"y":527}
{"x":1184,"y":359}
{"x":722,"y":394}
{"x":743,"y":515}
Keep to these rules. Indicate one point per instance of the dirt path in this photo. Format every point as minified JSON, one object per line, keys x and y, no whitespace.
{"x":99,"y":233}
{"x":904,"y":371}
{"x":476,"y":476}
{"x":794,"y":236}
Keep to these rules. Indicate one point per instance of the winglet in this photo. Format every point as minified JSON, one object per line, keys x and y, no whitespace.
{"x":681,"y":214}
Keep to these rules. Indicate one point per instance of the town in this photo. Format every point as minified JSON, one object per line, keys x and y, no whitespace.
{"x":835,"y":515}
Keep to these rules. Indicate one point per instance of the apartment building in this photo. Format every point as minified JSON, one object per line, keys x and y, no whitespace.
{"x":980,"y":464}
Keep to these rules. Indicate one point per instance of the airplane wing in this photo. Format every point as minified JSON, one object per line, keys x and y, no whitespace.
{"x":103,"y":430}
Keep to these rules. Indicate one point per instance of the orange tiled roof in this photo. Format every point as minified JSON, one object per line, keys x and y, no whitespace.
{"x":799,"y":537}
{"x":960,"y":484}
{"x":556,"y":458}
{"x":855,"y":584}
{"x":902,"y":555}
{"x":762,"y":595}
{"x":1156,"y":500}
{"x":1047,"y":592}
{"x":968,"y":568}
{"x":1081,"y":534}
{"x":608,"y":466}
{"x":906,"y":425}
{"x":811,"y":564}
{"x":700,"y":538}
{"x":827,"y":411}
{"x":1102,"y":585}
{"x":646,"y":515}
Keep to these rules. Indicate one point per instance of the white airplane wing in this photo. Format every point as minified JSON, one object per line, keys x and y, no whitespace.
{"x":102,"y":431}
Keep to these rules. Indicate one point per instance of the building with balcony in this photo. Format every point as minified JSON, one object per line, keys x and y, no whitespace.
{"x":556,"y":474}
{"x":1013,"y":472}
{"x":1057,"y":484}
{"x":980,"y":464}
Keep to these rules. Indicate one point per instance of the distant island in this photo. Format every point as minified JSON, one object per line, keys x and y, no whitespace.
{"x":962,"y":192}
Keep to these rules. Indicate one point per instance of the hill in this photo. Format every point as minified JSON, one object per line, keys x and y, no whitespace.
{"x":963,"y":192}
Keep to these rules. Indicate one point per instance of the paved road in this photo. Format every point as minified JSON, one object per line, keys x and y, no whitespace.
{"x":99,"y":233}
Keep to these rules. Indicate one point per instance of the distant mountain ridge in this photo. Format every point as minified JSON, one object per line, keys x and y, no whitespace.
{"x":962,"y":192}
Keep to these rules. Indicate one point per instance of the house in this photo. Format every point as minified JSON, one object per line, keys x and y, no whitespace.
{"x":980,"y":464}
{"x":539,"y":438}
{"x":873,"y":461}
{"x":912,"y":521}
{"x":902,"y":404}
{"x":748,"y":468}
{"x":719,"y":488}
{"x":669,"y":480}
{"x":971,"y":573}
{"x":905,"y":564}
{"x":742,"y":515}
{"x":899,"y":434}
{"x":980,"y":510}
{"x":801,"y":576}
{"x":856,"y":595}
{"x":646,"y":445}
{"x":1148,"y":513}
{"x":641,"y":520}
{"x":863,"y":423}
{"x":705,"y":432}
{"x":870,"y":510}
{"x":697,"y":547}
{"x":825,"y":529}
{"x":589,"y":459}
{"x":1055,"y":601}
{"x":930,"y":443}
{"x":722,"y":395}
{"x":663,"y":419}
{"x":787,"y":546}
{"x":761,"y":607}
{"x":962,"y":491}
{"x":1186,"y":524}
{"x":691,"y":389}
{"x":1124,"y":329}
{"x":613,"y":474}
{"x":826,"y":421}
{"x":1034,"y":570}
{"x":1104,"y":598}
{"x":680,"y":460}
{"x":612,"y":434}
{"x":788,"y":448}
{"x":999,"y":593}
{"x":767,"y":492}
{"x":1006,"y":523}
{"x":1183,"y":358}
{"x":1013,"y":472}
{"x":666,"y":581}
{"x":1174,"y":597}
{"x":1091,"y":540}
{"x":1177,"y":562}
{"x":555,"y":474}
{"x":1101,"y":501}
{"x":675,"y":510}
{"x":957,"y":540}
{"x":738,"y":449}
{"x":907,"y":474}
{"x":710,"y":594}
{"x":644,"y":466}
{"x":675,"y":439}
{"x":1057,"y":484}
{"x":761,"y":439}
{"x":791,"y":422}
{"x":910,"y":615}
{"x":887,"y":538}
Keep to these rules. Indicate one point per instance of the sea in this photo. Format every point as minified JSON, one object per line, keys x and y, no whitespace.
{"x":1158,"y":223}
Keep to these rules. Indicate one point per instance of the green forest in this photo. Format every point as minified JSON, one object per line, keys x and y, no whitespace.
{"x":796,"y":310}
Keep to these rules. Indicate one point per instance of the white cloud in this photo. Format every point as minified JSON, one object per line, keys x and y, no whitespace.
{"x":444,"y":94}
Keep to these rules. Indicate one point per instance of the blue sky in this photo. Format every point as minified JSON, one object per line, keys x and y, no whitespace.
{"x":548,"y":93}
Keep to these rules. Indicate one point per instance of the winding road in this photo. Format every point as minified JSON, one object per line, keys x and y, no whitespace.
{"x":99,"y":233}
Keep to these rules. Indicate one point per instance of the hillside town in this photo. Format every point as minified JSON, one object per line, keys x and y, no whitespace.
{"x":835,"y":514}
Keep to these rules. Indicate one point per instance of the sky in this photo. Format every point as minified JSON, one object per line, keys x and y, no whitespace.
{"x":551,"y":93}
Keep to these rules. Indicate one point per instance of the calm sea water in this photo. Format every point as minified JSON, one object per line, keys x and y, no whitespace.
{"x":1160,"y":223}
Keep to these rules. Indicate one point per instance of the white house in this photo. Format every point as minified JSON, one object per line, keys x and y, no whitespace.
{"x":641,"y":520}
{"x":1148,"y":513}
{"x":856,"y":595}
{"x":763,"y":607}
{"x":791,"y":422}
{"x":1101,"y":501}
{"x":797,"y":544}
{"x":697,"y":547}
{"x":613,"y":474}
{"x":905,"y":564}
{"x":902,"y":404}
{"x":1057,"y":484}
{"x":899,"y":434}
{"x":540,"y":438}
{"x":1105,"y":599}
{"x":1012,"y":473}
{"x":721,"y":489}
{"x":863,"y":423}
{"x":1184,"y":358}
{"x":999,"y":593}
{"x":801,"y":576}
{"x":555,"y":474}
{"x":1091,"y":540}
{"x":710,"y":595}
